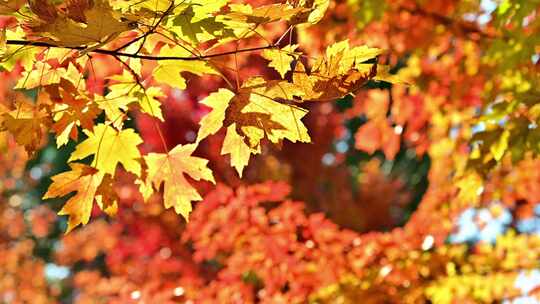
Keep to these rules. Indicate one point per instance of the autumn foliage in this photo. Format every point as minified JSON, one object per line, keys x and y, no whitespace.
{"x":299,"y":151}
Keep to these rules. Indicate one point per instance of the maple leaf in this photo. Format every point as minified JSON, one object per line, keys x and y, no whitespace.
{"x":168,"y":71}
{"x":313,"y":12}
{"x":106,"y":197}
{"x":149,"y":103}
{"x":126,"y":92}
{"x":282,"y":59}
{"x":44,"y":74}
{"x":72,"y":109}
{"x":145,"y":188}
{"x":257,"y":114}
{"x":213,"y":121}
{"x":319,"y":8}
{"x":341,"y":58}
{"x":85,"y":181}
{"x":99,"y":25}
{"x":26,"y":123}
{"x":13,"y":55}
{"x":153,"y":6}
{"x":260,"y":109}
{"x":203,"y":9}
{"x":342,"y":71}
{"x":109,"y":148}
{"x":115,"y":107}
{"x":170,"y":168}
{"x":330,"y":79}
{"x":115,"y":103}
{"x":247,"y":15}
{"x":234,"y":144}
{"x":260,"y":115}
{"x":196,"y":32}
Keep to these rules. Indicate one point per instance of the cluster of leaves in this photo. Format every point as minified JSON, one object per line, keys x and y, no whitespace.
{"x":53,"y":49}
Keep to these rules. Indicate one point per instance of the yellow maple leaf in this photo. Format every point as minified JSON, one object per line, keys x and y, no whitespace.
{"x":71,"y":108}
{"x":262,"y":108}
{"x":340,"y":72}
{"x":26,"y":123}
{"x":121,"y":94}
{"x":245,"y":15}
{"x":85,"y":181}
{"x":345,"y":58}
{"x":278,"y":120}
{"x":115,"y":107}
{"x":319,"y":8}
{"x":14,"y":55}
{"x":203,"y":9}
{"x":128,"y":91}
{"x":149,"y":103}
{"x":44,"y":74}
{"x":281,"y":59}
{"x":169,"y":169}
{"x":69,"y":117}
{"x":99,"y":26}
{"x":109,"y":148}
{"x":157,"y":6}
{"x":106,"y":196}
{"x":198,"y":32}
{"x":168,"y":71}
{"x":213,"y":121}
{"x":240,"y":152}
{"x":313,"y":12}
{"x":258,"y":110}
{"x":3,"y":42}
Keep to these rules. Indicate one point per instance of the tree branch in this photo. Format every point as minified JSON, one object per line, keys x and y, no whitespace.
{"x":146,"y":57}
